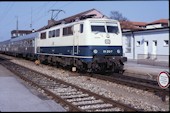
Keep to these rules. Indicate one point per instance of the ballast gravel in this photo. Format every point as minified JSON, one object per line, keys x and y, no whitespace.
{"x":137,"y":98}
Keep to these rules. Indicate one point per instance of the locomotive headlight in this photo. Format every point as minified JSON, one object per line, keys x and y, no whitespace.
{"x":95,"y":51}
{"x":118,"y":51}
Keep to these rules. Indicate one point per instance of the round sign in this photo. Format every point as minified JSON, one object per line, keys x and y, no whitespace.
{"x":163,"y":79}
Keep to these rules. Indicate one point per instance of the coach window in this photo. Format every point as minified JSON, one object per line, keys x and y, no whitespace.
{"x":67,"y":31}
{"x":30,"y":43}
{"x":43,"y":35}
{"x":81,"y":28}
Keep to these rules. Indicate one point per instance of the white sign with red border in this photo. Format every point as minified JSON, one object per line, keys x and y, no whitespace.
{"x":163,"y":79}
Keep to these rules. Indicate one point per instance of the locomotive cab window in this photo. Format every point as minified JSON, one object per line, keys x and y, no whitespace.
{"x":112,"y":29}
{"x":43,"y":35}
{"x":96,"y":28}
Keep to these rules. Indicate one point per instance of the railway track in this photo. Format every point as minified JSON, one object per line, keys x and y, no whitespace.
{"x":139,"y":83}
{"x":72,"y":97}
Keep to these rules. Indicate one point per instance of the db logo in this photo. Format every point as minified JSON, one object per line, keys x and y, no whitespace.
{"x":163,"y":79}
{"x":107,"y":41}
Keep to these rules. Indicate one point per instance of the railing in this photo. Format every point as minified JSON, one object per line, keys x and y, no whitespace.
{"x":151,"y":59}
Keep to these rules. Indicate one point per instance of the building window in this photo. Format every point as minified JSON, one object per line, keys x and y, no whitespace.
{"x":146,"y":43}
{"x":128,"y":44}
{"x":166,"y":42}
{"x":43,"y":35}
{"x":138,"y":43}
{"x":154,"y":42}
{"x":67,"y":31}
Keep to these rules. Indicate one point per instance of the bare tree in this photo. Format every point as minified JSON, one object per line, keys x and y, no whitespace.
{"x":124,"y":22}
{"x":117,"y":16}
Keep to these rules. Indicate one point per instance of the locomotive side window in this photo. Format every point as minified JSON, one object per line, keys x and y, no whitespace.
{"x":70,"y":32}
{"x":43,"y":35}
{"x":50,"y":34}
{"x":81,"y":28}
{"x":97,"y":28}
{"x":53,"y":33}
{"x":67,"y":31}
{"x":57,"y":32}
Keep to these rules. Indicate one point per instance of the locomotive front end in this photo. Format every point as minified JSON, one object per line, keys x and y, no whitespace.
{"x":105,"y":46}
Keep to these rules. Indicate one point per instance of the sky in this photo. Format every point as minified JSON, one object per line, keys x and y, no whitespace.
{"x":38,"y":12}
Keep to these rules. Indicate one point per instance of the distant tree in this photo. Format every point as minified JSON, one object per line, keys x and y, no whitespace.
{"x":124,"y":22}
{"x":117,"y":16}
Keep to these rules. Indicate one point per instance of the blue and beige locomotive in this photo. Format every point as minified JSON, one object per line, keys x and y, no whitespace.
{"x":92,"y":45}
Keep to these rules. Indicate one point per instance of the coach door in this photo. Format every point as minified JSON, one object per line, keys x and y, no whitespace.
{"x":76,"y":34}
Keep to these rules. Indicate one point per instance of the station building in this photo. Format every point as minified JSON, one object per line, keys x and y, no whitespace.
{"x":149,"y":43}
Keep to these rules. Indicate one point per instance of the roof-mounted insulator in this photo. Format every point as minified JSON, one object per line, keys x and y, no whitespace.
{"x":77,"y":19}
{"x":63,"y":22}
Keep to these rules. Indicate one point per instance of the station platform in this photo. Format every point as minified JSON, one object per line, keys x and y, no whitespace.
{"x":17,"y":97}
{"x":146,"y":71}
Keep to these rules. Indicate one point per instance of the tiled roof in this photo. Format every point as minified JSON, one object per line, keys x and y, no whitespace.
{"x":139,"y":23}
{"x":161,"y":21}
{"x":130,"y":25}
{"x":127,"y":25}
